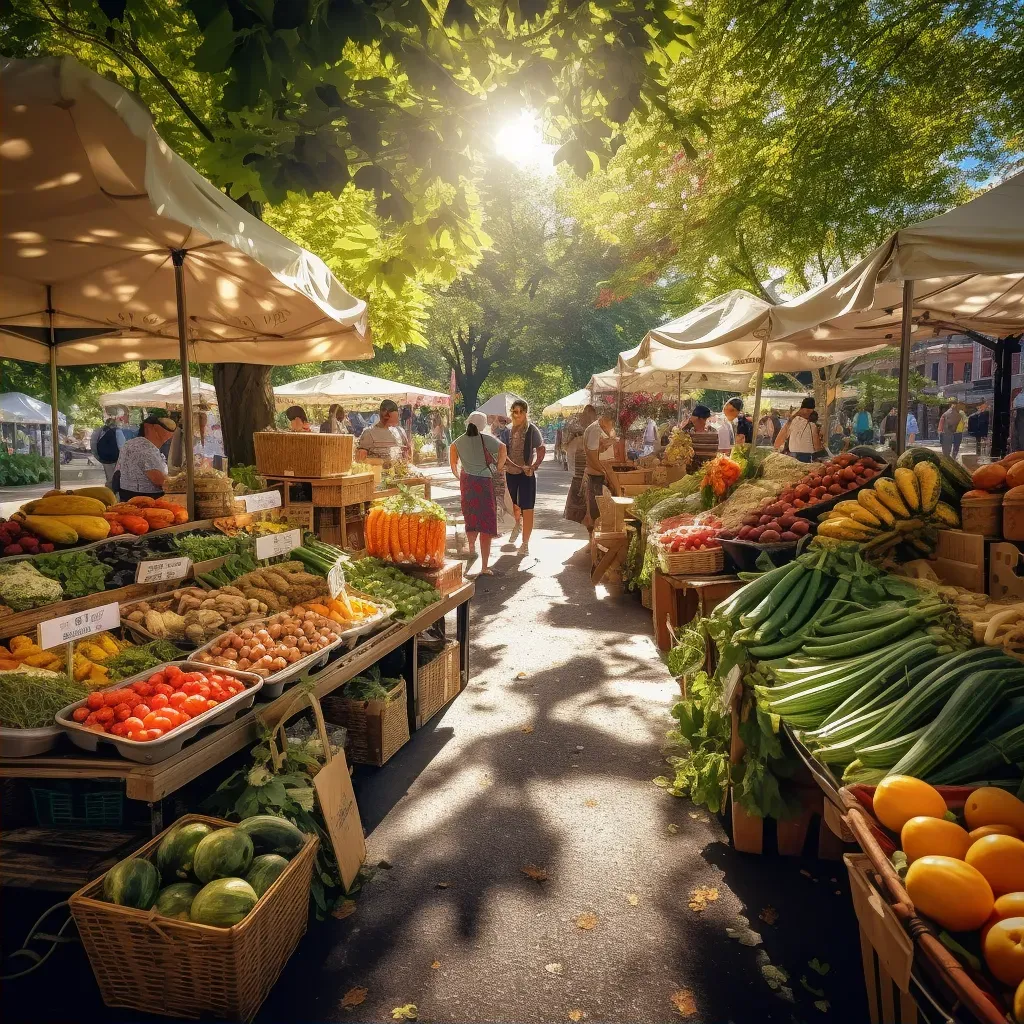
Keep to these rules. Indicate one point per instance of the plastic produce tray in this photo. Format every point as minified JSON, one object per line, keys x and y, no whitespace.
{"x":169,"y":745}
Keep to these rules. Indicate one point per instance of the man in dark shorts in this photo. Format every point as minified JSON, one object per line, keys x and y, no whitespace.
{"x":526,"y":452}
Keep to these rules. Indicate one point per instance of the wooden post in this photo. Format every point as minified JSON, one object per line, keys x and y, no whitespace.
{"x":905,"y":344}
{"x":54,"y":411}
{"x":178,"y":259}
{"x":760,"y":382}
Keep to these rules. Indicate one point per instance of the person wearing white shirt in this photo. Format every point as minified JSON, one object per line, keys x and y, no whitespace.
{"x":594,"y":437}
{"x":800,"y":433}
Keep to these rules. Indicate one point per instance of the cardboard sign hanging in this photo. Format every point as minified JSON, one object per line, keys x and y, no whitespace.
{"x":338,"y":803}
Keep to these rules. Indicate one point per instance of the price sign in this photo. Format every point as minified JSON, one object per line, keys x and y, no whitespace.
{"x":69,"y":628}
{"x":262,"y":500}
{"x":160,"y":569}
{"x":336,"y":578}
{"x":274,"y":544}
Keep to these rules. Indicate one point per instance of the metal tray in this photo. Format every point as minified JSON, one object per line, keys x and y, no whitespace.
{"x":28,"y":742}
{"x":169,"y":745}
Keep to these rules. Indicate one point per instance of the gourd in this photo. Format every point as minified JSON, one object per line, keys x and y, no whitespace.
{"x":223,"y":902}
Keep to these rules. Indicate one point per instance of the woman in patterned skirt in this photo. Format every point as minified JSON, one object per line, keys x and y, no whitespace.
{"x":482,"y":459}
{"x":576,"y":501}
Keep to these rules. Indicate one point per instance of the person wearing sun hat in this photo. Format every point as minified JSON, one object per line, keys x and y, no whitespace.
{"x":141,"y":466}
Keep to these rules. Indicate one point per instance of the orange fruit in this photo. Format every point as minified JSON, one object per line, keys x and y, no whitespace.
{"x":898,"y":798}
{"x":951,"y":892}
{"x":923,"y":835}
{"x":993,"y":830}
{"x":991,"y":806}
{"x":1004,"y":950}
{"x":1001,"y":860}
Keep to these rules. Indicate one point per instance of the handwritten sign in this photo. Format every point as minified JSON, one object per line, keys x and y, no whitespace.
{"x":69,"y":628}
{"x":338,"y":803}
{"x":160,"y":569}
{"x":336,"y":578}
{"x":262,"y":500}
{"x":274,"y":544}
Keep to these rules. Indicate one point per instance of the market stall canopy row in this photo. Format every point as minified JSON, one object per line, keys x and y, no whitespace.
{"x":160,"y":394}
{"x":18,"y":408}
{"x":499,"y":405}
{"x":573,"y":403}
{"x":96,"y":209}
{"x":355,"y":391}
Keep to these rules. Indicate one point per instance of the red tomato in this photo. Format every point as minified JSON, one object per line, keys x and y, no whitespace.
{"x":111,"y":698}
{"x":139,"y":735}
{"x":95,"y":700}
{"x":161,"y":722}
{"x":80,"y":714}
{"x":158,"y":700}
{"x":195,"y":705}
{"x":204,"y":690}
{"x":183,"y":717}
{"x":105,"y":715}
{"x":142,"y":689}
{"x":177,"y":699}
{"x":173,"y":673}
{"x":149,"y":721}
{"x":134,"y":725}
{"x":157,"y":679}
{"x":118,"y":729}
{"x":98,"y":727}
{"x":141,"y":710}
{"x":154,"y":734}
{"x":191,"y":687}
{"x":165,"y":688}
{"x":122,"y":712}
{"x":210,"y":705}
{"x":172,"y":716}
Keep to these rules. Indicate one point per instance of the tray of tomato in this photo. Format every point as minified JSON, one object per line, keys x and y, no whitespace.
{"x":150,"y":716}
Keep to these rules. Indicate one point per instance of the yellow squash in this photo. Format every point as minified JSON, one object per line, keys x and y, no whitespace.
{"x":946,"y":515}
{"x":890,"y":496}
{"x":898,"y":798}
{"x":925,"y":836}
{"x":88,"y":528}
{"x":874,"y":504}
{"x":950,"y":892}
{"x":930,"y":484}
{"x":65,"y":505}
{"x":1001,"y":860}
{"x":50,"y":528}
{"x":910,"y":489}
{"x":991,"y":806}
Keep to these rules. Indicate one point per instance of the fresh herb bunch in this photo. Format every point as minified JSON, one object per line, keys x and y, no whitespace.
{"x":200,"y":547}
{"x":247,"y":477}
{"x":78,"y":572}
{"x":29,"y":700}
{"x":133,"y":660}
{"x":370,"y":686}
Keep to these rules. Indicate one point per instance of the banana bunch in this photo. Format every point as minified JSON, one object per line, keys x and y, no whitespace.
{"x":905,"y":510}
{"x":680,"y":449}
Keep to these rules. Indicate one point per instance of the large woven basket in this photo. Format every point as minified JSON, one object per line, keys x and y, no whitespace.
{"x":155,"y":964}
{"x":280,"y":454}
{"x":377,"y":728}
{"x":692,"y":563}
{"x":347,"y":490}
{"x":437,"y":682}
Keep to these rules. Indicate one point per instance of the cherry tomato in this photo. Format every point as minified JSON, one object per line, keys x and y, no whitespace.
{"x":142,"y":689}
{"x":195,"y":705}
{"x":156,"y":679}
{"x":161,"y":722}
{"x":105,"y":715}
{"x":154,"y":734}
{"x":191,"y":687}
{"x":158,"y":700}
{"x":98,"y":727}
{"x":165,"y":688}
{"x":111,"y":698}
{"x":177,"y":699}
{"x":95,"y":700}
{"x":80,"y":714}
{"x":183,"y":717}
{"x":118,"y":729}
{"x":141,"y":710}
{"x":139,"y":735}
{"x":134,"y":725}
{"x":172,"y":716}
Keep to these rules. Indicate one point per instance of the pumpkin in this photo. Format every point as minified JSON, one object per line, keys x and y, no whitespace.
{"x":975,"y":494}
{"x":1004,"y":950}
{"x":1015,"y":475}
{"x":923,"y":836}
{"x":1001,"y":860}
{"x":898,"y":798}
{"x":989,"y":478}
{"x":950,"y":892}
{"x":991,"y":806}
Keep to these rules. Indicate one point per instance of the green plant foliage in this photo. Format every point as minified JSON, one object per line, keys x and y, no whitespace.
{"x":16,"y":470}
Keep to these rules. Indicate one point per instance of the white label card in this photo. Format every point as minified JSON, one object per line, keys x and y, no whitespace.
{"x":160,"y":569}
{"x":274,"y":544}
{"x":262,"y":500}
{"x":69,"y":628}
{"x":336,"y":578}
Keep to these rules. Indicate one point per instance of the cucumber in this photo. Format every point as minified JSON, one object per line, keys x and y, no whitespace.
{"x":775,"y":596}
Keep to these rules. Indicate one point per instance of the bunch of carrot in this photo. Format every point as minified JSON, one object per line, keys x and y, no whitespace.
{"x":396,"y":535}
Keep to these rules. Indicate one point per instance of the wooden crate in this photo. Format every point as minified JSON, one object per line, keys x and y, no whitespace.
{"x":437,"y":682}
{"x":377,"y":729}
{"x":284,"y":454}
{"x":446,"y":579}
{"x":677,"y":600}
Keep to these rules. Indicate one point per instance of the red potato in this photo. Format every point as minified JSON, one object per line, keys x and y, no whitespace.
{"x":764,"y":520}
{"x":787,"y":520}
{"x":743,"y":534}
{"x":836,"y":489}
{"x":802,"y":492}
{"x":770,"y":537}
{"x":799,"y":503}
{"x":800,"y":527}
{"x":847,"y":474}
{"x":755,"y":533}
{"x":789,"y":536}
{"x":827,"y":480}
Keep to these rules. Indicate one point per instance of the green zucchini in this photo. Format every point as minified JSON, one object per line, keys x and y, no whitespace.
{"x":885,"y":755}
{"x":769,"y":628}
{"x":995,"y":753}
{"x":811,"y":600}
{"x":877,"y":638}
{"x":775,"y":596}
{"x":863,"y":621}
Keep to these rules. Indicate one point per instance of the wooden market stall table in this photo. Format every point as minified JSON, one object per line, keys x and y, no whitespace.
{"x":152,"y":782}
{"x":676,"y":600}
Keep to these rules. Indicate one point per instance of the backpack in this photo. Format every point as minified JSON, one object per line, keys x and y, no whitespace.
{"x":744,"y":428}
{"x":107,"y":448}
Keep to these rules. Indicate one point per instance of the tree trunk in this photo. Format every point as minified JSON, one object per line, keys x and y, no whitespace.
{"x":246,"y":404}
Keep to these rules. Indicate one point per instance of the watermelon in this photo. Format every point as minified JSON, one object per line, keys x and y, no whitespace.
{"x":226,"y":853}
{"x":264,"y":871}
{"x":223,"y":902}
{"x":912,"y":456}
{"x":177,"y":849}
{"x":132,"y":883}
{"x":271,"y":834}
{"x":176,"y":899}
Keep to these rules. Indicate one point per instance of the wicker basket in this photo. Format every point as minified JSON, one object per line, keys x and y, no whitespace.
{"x":437,"y":682}
{"x":982,"y":515}
{"x":692,"y":563}
{"x":446,"y":579}
{"x":348,"y":490}
{"x":155,"y":964}
{"x":377,"y":728}
{"x":215,"y":504}
{"x":281,"y":454}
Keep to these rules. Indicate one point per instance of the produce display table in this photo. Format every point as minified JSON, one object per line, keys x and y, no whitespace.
{"x":152,"y":783}
{"x":676,"y":600}
{"x":409,"y":481}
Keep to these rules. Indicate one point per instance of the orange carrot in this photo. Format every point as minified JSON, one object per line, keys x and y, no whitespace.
{"x":415,"y":530}
{"x":438,"y":546}
{"x":395,"y":545}
{"x":368,"y":528}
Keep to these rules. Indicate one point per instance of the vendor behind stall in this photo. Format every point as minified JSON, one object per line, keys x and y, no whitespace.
{"x":141,"y":467}
{"x":297,"y":419}
{"x":386,"y":440}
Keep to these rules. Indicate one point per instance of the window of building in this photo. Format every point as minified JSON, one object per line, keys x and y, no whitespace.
{"x":967,"y":373}
{"x":949,"y":373}
{"x":935,"y":372}
{"x":986,"y":368}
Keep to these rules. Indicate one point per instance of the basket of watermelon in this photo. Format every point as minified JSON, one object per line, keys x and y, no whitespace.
{"x":202,"y":919}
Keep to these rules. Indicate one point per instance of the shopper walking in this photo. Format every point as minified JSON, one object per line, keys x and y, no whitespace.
{"x":476,"y":459}
{"x":594,"y":439}
{"x":948,"y":422}
{"x":799,"y":433}
{"x":911,"y":428}
{"x":576,"y":456}
{"x":765,"y":430}
{"x":141,"y":467}
{"x":958,"y":433}
{"x":106,"y":443}
{"x":526,"y":451}
{"x":437,"y":435}
{"x":977,"y":426}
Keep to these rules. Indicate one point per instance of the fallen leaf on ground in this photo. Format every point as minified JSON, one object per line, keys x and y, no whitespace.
{"x":673,"y":828}
{"x":819,"y":967}
{"x":407,"y":1012}
{"x":822,"y":1004}
{"x":701,"y":897}
{"x":344,"y":909}
{"x":587,"y":922}
{"x":353,"y":997}
{"x":769,"y":915}
{"x":436,"y":965}
{"x":441,"y":885}
{"x":484,"y":782}
{"x":534,"y":872}
{"x":590,"y":803}
{"x":633,"y":899}
{"x":576,"y":1015}
{"x":682,"y":1000}
{"x":662,"y":782}
{"x":520,"y":675}
{"x":810,"y":988}
{"x":776,"y":977}
{"x":553,"y":969}
{"x":739,"y":929}
{"x":527,"y":729}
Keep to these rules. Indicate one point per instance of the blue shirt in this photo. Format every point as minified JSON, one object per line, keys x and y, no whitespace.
{"x":863,"y":421}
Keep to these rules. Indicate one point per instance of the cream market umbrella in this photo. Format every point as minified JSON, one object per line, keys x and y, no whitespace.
{"x":106,"y":229}
{"x":573,"y":403}
{"x":160,"y":394}
{"x":354,"y":390}
{"x":499,"y":405}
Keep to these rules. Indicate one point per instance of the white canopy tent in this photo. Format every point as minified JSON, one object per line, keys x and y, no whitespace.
{"x":568,"y":405}
{"x":355,"y":391}
{"x":161,"y":394}
{"x":108,"y":233}
{"x":499,"y":405}
{"x":18,"y":408}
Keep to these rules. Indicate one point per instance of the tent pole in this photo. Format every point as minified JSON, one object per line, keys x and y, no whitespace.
{"x":618,"y":401}
{"x":178,"y":259}
{"x":757,"y":388}
{"x":679,"y":399}
{"x":54,"y":412}
{"x":903,"y":403}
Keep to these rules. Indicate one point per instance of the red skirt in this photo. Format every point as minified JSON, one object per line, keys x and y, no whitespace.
{"x":478,"y":507}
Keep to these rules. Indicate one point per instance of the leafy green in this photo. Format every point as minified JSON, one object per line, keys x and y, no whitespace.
{"x":78,"y":572}
{"x":370,"y":686}
{"x":248,"y":477}
{"x":17,"y":469}
{"x":29,"y":700}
